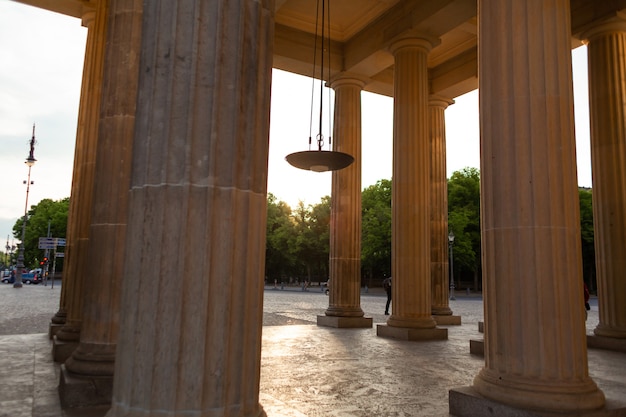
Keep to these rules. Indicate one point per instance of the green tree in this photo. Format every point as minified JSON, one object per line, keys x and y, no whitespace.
{"x":320,"y":235}
{"x":280,"y":238}
{"x":376,"y":231}
{"x":464,"y":222}
{"x":312,"y":245}
{"x":587,"y":237}
{"x":46,"y":212}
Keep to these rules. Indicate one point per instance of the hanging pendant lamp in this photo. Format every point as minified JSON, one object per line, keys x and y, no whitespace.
{"x":320,"y":160}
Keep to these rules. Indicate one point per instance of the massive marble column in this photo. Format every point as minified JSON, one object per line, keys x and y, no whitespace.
{"x":410,"y":264}
{"x":606,"y":48}
{"x":190,"y":338}
{"x":95,"y":355}
{"x":535,"y":349}
{"x":344,"y":309}
{"x":439,"y":267}
{"x":79,"y":217}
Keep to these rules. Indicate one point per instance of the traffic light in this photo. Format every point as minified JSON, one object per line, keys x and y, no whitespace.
{"x":44,"y":261}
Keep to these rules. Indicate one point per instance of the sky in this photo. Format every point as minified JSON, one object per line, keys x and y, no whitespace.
{"x":41,"y":60}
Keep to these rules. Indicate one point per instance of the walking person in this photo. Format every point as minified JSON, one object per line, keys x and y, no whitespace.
{"x":586,"y":297}
{"x":387,"y":287}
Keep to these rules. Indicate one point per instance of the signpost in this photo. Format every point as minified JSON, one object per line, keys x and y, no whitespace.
{"x":48,"y":243}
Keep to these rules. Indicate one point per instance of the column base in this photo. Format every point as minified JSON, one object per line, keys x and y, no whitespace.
{"x":411,"y":334}
{"x":53,"y":329}
{"x":606,"y":343}
{"x":62,"y":350}
{"x":92,"y":359}
{"x":81,"y":391}
{"x":60,"y":317}
{"x":440,"y":310}
{"x":467,"y":402}
{"x":447,"y":320}
{"x":477,"y":347}
{"x":123,"y":410}
{"x":344,"y":322}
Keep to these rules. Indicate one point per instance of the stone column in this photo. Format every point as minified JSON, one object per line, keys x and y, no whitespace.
{"x":95,"y":355}
{"x":606,"y":50}
{"x":535,"y":348}
{"x":410,"y":264}
{"x":79,"y":216}
{"x":83,"y":155}
{"x":439,"y":268}
{"x":344,"y":308}
{"x":192,"y":300}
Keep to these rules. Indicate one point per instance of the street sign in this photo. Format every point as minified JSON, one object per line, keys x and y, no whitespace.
{"x":60,"y":254}
{"x":51,"y":242}
{"x":47,"y":243}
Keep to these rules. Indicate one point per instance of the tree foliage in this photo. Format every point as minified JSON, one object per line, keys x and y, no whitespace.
{"x":305,"y":233}
{"x":280,"y":238}
{"x":464,"y":222}
{"x":297,"y":245}
{"x":587,"y":237}
{"x":46,"y":212}
{"x":376,"y":231}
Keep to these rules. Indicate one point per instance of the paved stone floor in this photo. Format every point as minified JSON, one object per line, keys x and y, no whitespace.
{"x":307,"y":371}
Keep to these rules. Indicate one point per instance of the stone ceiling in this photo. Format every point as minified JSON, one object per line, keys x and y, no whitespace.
{"x":361,"y":31}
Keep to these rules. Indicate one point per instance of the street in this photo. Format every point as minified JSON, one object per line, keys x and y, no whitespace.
{"x":28,"y":310}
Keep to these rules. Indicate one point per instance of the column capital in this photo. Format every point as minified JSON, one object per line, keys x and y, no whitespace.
{"x":616,"y":24}
{"x":418,"y":41}
{"x":88,"y":18}
{"x":88,"y":15}
{"x":347,"y":78}
{"x":435,"y":100}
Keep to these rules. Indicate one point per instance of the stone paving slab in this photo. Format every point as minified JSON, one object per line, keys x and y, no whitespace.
{"x":306,"y":370}
{"x":28,"y":309}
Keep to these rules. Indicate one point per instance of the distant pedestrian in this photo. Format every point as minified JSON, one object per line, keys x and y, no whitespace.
{"x":586,"y":293}
{"x":387,"y":287}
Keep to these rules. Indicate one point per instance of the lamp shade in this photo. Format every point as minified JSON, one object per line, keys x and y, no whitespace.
{"x":320,"y":161}
{"x":30,"y":161}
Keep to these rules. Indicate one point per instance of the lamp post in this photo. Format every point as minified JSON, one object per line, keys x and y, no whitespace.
{"x":30,"y":161}
{"x":12,"y":251}
{"x":7,"y":259}
{"x":450,"y":245}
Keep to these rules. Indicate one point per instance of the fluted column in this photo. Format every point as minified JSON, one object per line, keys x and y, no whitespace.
{"x":410,"y":247}
{"x":344,"y":309}
{"x":535,"y":347}
{"x":439,"y":269}
{"x":606,"y":48}
{"x":95,"y":355}
{"x":190,"y":338}
{"x":79,"y":217}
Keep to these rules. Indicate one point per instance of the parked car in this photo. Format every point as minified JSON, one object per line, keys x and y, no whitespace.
{"x":27,"y":279}
{"x":31,"y":278}
{"x":8,"y":279}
